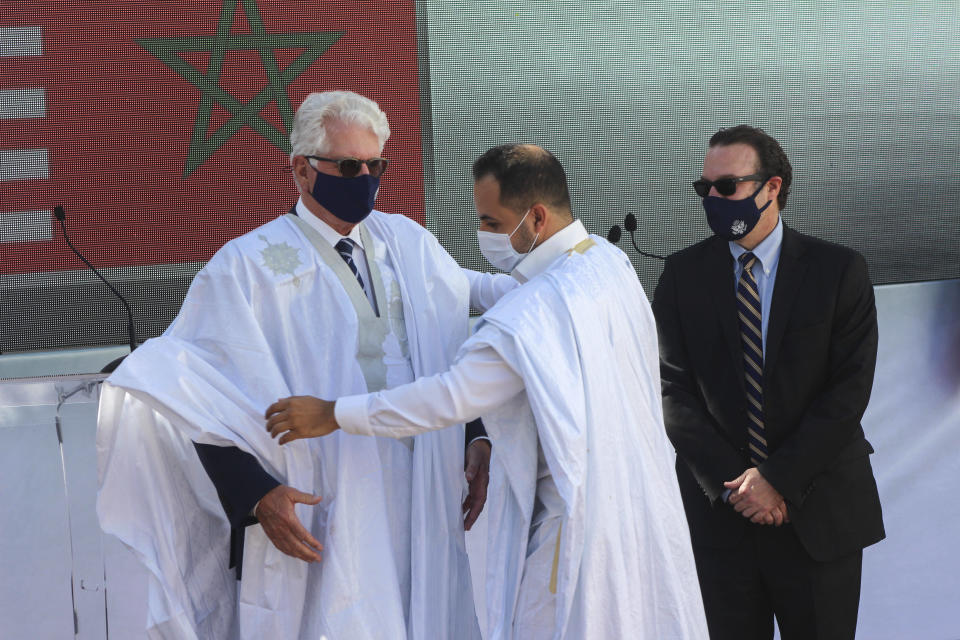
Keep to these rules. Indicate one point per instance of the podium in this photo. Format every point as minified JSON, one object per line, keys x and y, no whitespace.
{"x":60,"y":576}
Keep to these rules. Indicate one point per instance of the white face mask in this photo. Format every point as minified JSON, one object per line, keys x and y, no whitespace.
{"x":498,"y":250}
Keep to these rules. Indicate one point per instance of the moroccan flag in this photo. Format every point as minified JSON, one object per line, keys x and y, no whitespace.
{"x":162,"y":126}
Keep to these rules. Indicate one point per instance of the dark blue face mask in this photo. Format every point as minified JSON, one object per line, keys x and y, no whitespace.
{"x":733,"y":219}
{"x":349,"y":199}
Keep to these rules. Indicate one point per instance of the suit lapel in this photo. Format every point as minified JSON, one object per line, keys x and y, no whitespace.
{"x":790,"y":272}
{"x":719,"y":270}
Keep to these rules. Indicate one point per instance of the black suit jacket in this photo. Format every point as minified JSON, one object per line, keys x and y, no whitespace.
{"x":820,"y":355}
{"x":241,"y":482}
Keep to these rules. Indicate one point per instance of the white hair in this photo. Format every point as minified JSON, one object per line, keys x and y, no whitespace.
{"x":308,"y":135}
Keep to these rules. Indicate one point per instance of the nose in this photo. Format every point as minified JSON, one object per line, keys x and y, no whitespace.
{"x":364,"y":169}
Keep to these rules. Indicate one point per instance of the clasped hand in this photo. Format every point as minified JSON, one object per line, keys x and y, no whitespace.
{"x":754,"y":498}
{"x":300,"y":417}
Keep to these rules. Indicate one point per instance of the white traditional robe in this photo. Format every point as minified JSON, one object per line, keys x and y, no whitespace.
{"x":277,"y":313}
{"x":588,"y":537}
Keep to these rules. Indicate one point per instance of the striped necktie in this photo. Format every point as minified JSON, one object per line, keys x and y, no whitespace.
{"x":345,"y":249}
{"x":751,"y":339}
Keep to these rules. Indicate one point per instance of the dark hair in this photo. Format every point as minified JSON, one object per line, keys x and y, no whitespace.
{"x":527,"y":174}
{"x":773,"y":161}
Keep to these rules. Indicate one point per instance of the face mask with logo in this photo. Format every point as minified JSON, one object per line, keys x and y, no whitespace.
{"x":733,"y":219}
{"x":498,"y":250}
{"x":349,"y":199}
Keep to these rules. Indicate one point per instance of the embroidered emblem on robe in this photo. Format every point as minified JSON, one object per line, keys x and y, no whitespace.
{"x":280,"y":258}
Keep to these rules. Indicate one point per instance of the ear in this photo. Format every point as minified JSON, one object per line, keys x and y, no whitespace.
{"x":540,"y":214}
{"x":773,"y":186}
{"x":301,"y":172}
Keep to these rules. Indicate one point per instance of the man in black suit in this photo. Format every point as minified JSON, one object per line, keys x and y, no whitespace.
{"x":768,"y":343}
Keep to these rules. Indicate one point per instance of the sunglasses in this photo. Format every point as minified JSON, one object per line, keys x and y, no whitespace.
{"x":724,"y":186}
{"x":350,"y":167}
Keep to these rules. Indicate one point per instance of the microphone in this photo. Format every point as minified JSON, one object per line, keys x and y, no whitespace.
{"x":630,"y":224}
{"x":61,"y":217}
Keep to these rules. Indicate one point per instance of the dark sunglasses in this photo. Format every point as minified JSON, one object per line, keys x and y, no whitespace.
{"x":724,"y":186}
{"x":350,"y":167}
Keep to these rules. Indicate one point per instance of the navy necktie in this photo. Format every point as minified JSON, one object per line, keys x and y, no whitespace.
{"x":345,"y":249}
{"x":749,"y":312}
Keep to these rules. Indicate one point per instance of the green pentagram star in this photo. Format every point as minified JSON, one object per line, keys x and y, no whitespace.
{"x":168,"y":51}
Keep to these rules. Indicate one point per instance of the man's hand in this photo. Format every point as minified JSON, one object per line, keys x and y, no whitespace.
{"x":476,"y":465}
{"x":280,"y":523}
{"x":755,"y":498}
{"x":780,"y":514}
{"x":300,"y":417}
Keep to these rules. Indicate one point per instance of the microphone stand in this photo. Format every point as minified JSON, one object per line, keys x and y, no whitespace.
{"x":630,"y":224}
{"x":61,"y":217}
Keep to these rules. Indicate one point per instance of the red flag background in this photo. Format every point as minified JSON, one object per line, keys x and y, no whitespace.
{"x":118,"y":122}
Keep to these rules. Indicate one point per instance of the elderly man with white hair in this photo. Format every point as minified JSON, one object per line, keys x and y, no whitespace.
{"x":346,"y":537}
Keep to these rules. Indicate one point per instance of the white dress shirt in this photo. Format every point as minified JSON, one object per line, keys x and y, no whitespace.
{"x":487,"y":288}
{"x":479,"y":381}
{"x":333,"y":237}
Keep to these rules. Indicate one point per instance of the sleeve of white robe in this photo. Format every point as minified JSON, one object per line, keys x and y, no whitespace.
{"x":487,"y":288}
{"x":478,"y":382}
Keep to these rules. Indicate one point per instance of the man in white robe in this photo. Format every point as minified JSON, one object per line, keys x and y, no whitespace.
{"x":358,"y":537}
{"x":588,"y":535}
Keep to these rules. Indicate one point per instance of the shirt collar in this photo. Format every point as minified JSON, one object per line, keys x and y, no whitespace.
{"x":329,"y":233}
{"x":537,"y":261}
{"x":767,"y":252}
